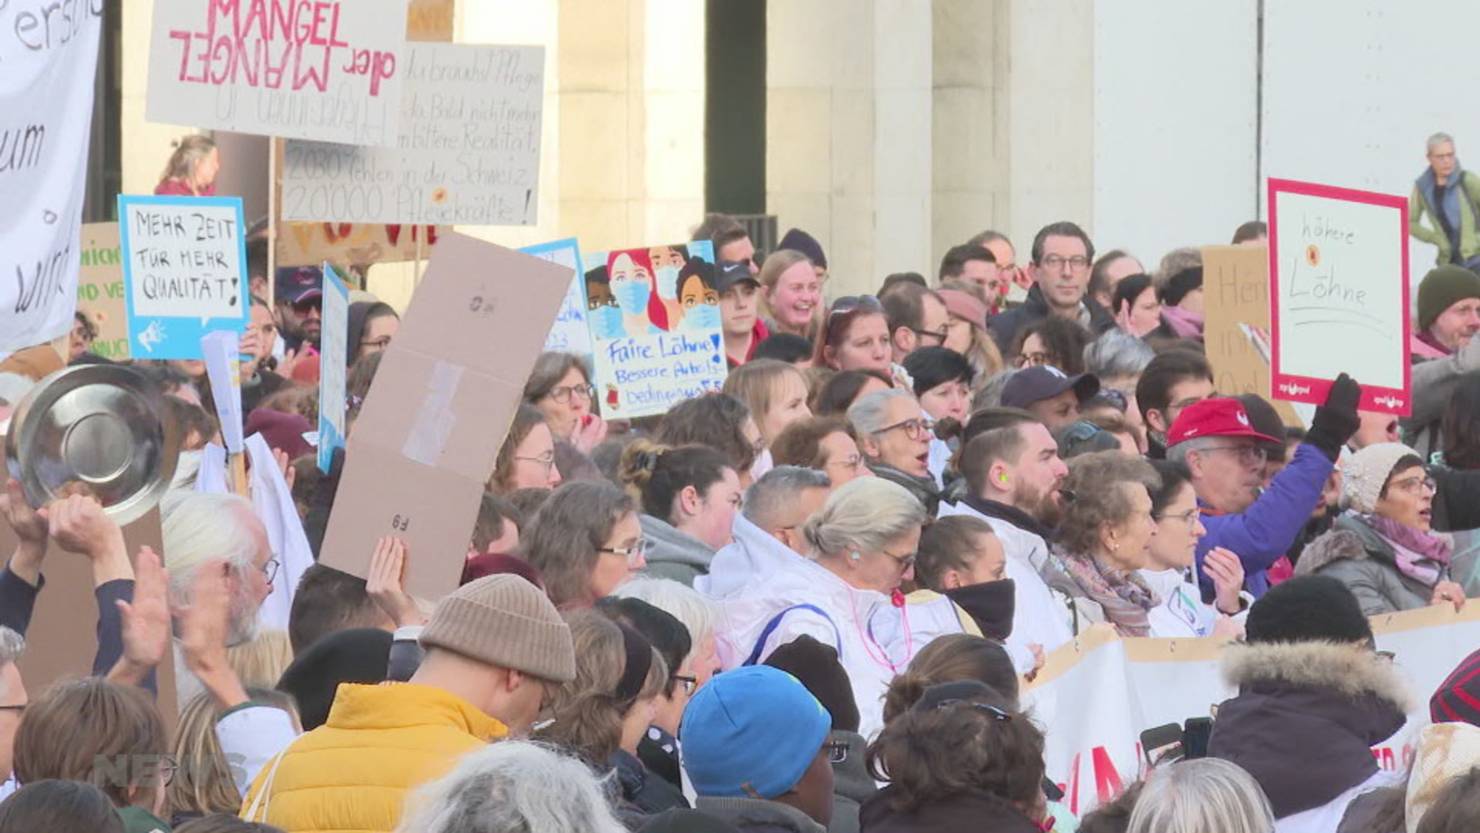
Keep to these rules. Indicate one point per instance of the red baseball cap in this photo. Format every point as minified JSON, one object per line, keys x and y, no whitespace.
{"x":1217,"y":417}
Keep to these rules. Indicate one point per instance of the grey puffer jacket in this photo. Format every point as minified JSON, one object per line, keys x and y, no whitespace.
{"x":674,"y":554}
{"x":1355,"y":554}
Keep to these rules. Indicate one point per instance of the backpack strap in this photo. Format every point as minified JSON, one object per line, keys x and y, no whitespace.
{"x":261,"y":801}
{"x":771,"y":626}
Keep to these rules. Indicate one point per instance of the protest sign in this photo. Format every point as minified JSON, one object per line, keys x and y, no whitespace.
{"x":308,"y":69}
{"x":570,"y":333}
{"x":357,"y":244}
{"x":427,"y":435}
{"x":468,"y":150}
{"x":1092,"y":744}
{"x":46,"y":100}
{"x":1338,"y":278}
{"x":184,"y":272}
{"x":333,"y":361}
{"x":100,"y":290}
{"x":655,"y":327}
{"x":1236,"y":330}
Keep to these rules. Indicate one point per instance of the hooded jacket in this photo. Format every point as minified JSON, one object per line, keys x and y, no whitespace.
{"x":1304,"y":722}
{"x":753,"y":554}
{"x":976,"y":811}
{"x":355,"y":771}
{"x":1355,"y":554}
{"x":674,"y":554}
{"x":1005,"y":326}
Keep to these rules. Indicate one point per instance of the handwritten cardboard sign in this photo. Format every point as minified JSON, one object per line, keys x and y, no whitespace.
{"x":570,"y":333}
{"x":333,"y":362}
{"x":308,"y":69}
{"x":1338,"y":278}
{"x":100,"y":290}
{"x":184,"y":269}
{"x":426,"y":437}
{"x":356,"y":244}
{"x":655,"y":327}
{"x":1236,"y":332}
{"x":468,"y":150}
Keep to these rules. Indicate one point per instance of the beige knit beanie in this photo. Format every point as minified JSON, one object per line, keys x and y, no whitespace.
{"x":504,"y":620}
{"x":1364,"y":474}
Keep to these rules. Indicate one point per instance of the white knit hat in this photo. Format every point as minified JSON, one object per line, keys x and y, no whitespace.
{"x":1366,"y":472}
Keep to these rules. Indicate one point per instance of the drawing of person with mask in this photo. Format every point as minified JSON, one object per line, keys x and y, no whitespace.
{"x":631,"y":280}
{"x":667,"y":262}
{"x":698,"y":298}
{"x":602,"y":313}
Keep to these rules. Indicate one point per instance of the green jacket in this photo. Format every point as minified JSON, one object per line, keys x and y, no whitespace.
{"x":1421,"y":203}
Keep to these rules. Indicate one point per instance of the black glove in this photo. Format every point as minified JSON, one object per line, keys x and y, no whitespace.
{"x":1336,"y":421}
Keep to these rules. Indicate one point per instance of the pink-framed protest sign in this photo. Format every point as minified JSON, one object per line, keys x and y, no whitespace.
{"x":1338,"y":293}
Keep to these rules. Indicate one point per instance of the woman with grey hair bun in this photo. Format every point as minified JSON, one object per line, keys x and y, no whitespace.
{"x":859,"y":548}
{"x":513,"y":786}
{"x":1117,"y":359}
{"x":1204,"y":795}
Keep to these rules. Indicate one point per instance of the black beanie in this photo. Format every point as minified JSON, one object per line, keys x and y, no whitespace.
{"x":817,"y":666}
{"x":1308,"y":609}
{"x":800,"y":241}
{"x":1180,"y":284}
{"x":353,"y":656}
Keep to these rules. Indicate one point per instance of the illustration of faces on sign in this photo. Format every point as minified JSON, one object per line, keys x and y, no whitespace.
{"x":645,"y":291}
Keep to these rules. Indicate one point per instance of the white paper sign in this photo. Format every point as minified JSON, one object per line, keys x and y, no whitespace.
{"x":468,"y":151}
{"x":221,"y":350}
{"x":46,"y":95}
{"x":307,"y":69}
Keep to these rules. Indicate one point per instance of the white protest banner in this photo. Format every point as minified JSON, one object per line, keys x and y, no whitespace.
{"x":333,"y":361}
{"x":221,"y":350}
{"x":468,"y":151}
{"x":184,"y":272}
{"x":1338,"y":289}
{"x":655,"y":327}
{"x":570,"y":333}
{"x":307,"y":69}
{"x":47,"y":66}
{"x":1094,"y":698}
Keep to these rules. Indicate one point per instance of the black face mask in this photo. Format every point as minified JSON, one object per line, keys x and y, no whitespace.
{"x":991,"y":604}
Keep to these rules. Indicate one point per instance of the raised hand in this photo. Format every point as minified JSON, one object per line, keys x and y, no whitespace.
{"x":79,"y":524}
{"x":386,"y":581}
{"x":204,"y":626}
{"x":146,"y":621}
{"x":590,"y":431}
{"x":1448,"y":591}
{"x":1227,"y":574}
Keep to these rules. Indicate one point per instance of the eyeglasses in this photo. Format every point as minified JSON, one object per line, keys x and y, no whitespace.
{"x":1249,"y":455}
{"x":1057,"y":262}
{"x":544,"y":461}
{"x":377,"y":344}
{"x":999,"y":715}
{"x":689,"y":683}
{"x":270,"y":569}
{"x":939,"y":335}
{"x":1415,"y":485}
{"x":633,"y":554}
{"x":562,"y":395}
{"x":914,"y":428}
{"x":1189,"y":517}
{"x":904,"y":561}
{"x":853,"y":462}
{"x":1035,"y":360}
{"x":837,"y":751}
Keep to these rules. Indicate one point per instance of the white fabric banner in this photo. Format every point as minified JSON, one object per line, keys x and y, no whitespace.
{"x":1094,"y":697}
{"x":48,"y":59}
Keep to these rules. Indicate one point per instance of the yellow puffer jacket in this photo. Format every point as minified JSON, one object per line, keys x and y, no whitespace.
{"x":380,"y":742}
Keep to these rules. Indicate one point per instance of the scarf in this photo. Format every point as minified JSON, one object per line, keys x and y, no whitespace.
{"x":1124,"y":596}
{"x":1420,"y":555}
{"x":1184,"y":323}
{"x":1429,"y":341}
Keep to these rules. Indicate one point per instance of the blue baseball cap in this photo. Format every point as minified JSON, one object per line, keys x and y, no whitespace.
{"x":752,"y":730}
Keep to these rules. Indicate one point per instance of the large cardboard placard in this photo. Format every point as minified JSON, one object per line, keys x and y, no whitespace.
{"x":100,"y":290}
{"x":185,"y":272}
{"x":1092,"y":745}
{"x":655,"y":327}
{"x":1338,"y":277}
{"x":356,"y":244}
{"x":468,"y":150}
{"x":47,"y":71}
{"x":570,"y":333}
{"x":1236,"y":332}
{"x":424,"y":444}
{"x":333,"y":362}
{"x":328,"y":70}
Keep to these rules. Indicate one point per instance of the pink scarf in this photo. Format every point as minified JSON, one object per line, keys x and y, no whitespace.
{"x":1184,"y":323}
{"x":1420,"y":555}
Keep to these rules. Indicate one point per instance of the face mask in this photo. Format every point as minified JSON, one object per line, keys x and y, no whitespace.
{"x":606,"y":322}
{"x":991,"y":604}
{"x":703,"y":317}
{"x":667,"y":281}
{"x":632,"y":296}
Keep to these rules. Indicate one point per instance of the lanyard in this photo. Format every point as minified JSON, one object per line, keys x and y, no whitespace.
{"x":871,"y":645}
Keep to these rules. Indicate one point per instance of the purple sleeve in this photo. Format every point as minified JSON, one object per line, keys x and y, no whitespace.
{"x":17,"y":600}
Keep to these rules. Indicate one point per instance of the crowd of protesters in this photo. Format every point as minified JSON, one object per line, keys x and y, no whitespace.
{"x":806,"y":603}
